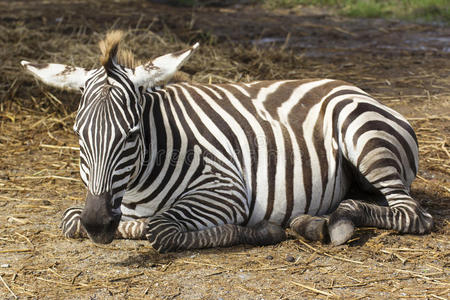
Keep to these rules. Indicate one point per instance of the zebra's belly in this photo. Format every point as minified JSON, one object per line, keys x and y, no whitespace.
{"x":323,"y":199}
{"x":318,"y":207}
{"x":323,"y":196}
{"x":314,"y":192}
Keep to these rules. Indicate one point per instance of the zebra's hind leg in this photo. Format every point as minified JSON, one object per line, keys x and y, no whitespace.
{"x":166,"y":234}
{"x":403,"y":214}
{"x":383,"y":172}
{"x":72,"y":228}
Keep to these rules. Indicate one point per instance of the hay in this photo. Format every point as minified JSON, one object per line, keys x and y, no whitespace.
{"x":39,"y":175}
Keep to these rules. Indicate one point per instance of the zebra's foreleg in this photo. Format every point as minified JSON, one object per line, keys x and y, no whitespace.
{"x":71,"y":223}
{"x":72,"y":228}
{"x":132,"y":230}
{"x":167,"y":235}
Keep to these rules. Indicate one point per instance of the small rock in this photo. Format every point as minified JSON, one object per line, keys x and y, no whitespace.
{"x":244,"y":276}
{"x":269,"y":257}
{"x":290,"y":258}
{"x":5,"y":265}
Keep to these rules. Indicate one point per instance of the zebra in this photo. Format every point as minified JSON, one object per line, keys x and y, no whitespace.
{"x":188,"y":165}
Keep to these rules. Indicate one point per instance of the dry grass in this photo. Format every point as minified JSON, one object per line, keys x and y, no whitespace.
{"x":39,"y":165}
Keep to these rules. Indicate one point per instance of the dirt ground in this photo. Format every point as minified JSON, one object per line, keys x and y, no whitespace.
{"x":405,"y":65}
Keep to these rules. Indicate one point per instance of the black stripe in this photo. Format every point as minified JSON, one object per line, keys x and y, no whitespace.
{"x":375,"y":143}
{"x":383,"y":126}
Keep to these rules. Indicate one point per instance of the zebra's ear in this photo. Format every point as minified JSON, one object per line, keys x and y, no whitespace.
{"x":161,"y":69}
{"x":57,"y":75}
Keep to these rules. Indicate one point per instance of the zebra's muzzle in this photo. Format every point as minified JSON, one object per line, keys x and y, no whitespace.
{"x":99,"y":218}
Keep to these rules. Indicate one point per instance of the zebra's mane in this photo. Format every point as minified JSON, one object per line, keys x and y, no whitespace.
{"x":110,"y":50}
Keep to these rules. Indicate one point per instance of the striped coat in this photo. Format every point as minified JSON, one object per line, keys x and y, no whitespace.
{"x":277,"y":145}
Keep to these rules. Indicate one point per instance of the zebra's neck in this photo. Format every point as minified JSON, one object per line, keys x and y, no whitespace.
{"x":165,"y":149}
{"x":153,"y":137}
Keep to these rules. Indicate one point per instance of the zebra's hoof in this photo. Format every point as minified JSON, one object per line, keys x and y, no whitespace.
{"x":310,"y":227}
{"x":269,"y":233}
{"x":341,"y":231}
{"x":424,"y":222}
{"x":427,"y":223}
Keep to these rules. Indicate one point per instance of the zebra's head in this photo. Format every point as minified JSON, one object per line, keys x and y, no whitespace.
{"x":108,"y":124}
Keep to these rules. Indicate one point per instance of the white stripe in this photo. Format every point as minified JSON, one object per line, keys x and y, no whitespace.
{"x":316,"y":176}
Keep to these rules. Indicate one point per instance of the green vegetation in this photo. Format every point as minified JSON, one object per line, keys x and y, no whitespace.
{"x":427,"y":10}
{"x":422,"y":10}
